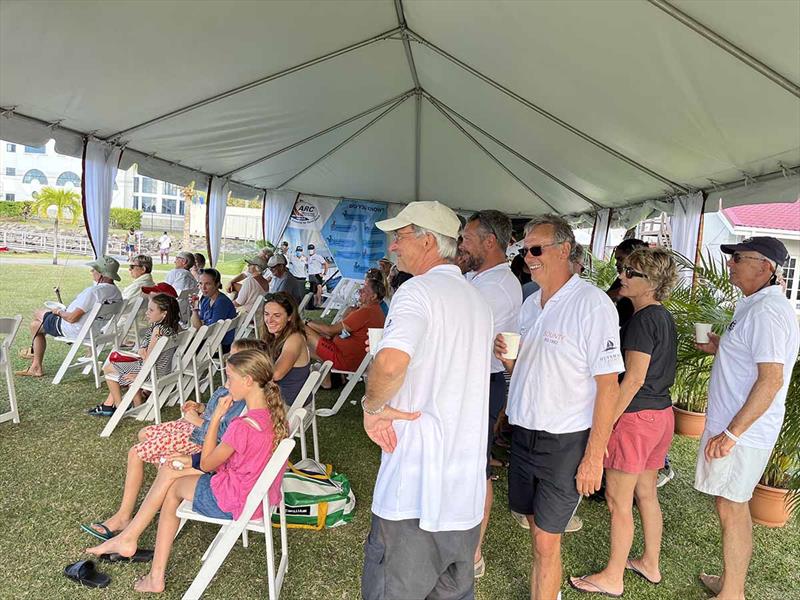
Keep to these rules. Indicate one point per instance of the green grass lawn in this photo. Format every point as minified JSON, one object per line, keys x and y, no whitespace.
{"x":56,"y":473}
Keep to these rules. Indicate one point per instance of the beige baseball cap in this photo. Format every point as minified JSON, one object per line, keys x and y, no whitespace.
{"x":431,"y":215}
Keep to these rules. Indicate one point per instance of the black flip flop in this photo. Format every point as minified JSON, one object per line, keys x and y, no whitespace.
{"x":84,"y":572}
{"x":140,"y":556}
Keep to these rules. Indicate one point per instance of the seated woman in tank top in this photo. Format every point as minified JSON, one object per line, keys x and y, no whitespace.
{"x":286,"y":340}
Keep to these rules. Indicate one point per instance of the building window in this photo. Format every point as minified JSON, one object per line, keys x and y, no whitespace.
{"x":148,"y":204}
{"x":68,"y":177}
{"x":34,"y":175}
{"x":136,"y":203}
{"x":10,"y":197}
{"x":135,"y":184}
{"x":149,"y":185}
{"x":11,"y":171}
{"x":35,"y":149}
{"x":790,"y":276}
{"x":11,"y":147}
{"x":182,"y":207}
{"x":168,"y":206}
{"x":170,"y":189}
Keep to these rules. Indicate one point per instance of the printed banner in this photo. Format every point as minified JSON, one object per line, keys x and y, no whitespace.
{"x":343,"y":232}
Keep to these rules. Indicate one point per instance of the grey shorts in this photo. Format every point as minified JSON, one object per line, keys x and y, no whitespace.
{"x":404,"y":562}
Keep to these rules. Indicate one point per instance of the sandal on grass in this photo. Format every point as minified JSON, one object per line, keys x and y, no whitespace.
{"x":85,"y":573}
{"x":104,"y":535}
{"x":575,"y":582}
{"x":27,"y":373}
{"x":101,"y":410}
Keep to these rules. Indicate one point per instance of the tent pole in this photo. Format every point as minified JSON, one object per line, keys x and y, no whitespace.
{"x":492,"y":156}
{"x":401,"y":21}
{"x":256,"y":83}
{"x":515,"y":153}
{"x":343,"y":143}
{"x":320,"y":133}
{"x":417,"y":143}
{"x":732,"y":49}
{"x":544,"y":113}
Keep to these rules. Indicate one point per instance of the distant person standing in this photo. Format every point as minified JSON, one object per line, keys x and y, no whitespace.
{"x":130,"y":244}
{"x":317,"y":269}
{"x":164,"y":244}
{"x":284,"y":248}
{"x":297,"y":263}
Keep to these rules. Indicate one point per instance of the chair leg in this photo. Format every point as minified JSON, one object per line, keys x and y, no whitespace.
{"x":314,"y":433}
{"x":214,"y":557}
{"x":12,"y":393}
{"x":62,"y":370}
{"x":245,"y":540}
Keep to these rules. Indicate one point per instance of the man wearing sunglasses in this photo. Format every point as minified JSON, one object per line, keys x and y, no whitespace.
{"x":562,"y":396}
{"x":746,"y":399}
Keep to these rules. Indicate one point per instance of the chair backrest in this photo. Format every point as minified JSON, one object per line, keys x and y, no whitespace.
{"x":183,"y":305}
{"x":148,"y":366}
{"x":9,"y":326}
{"x":192,"y":349}
{"x":274,"y":469}
{"x":180,"y":343}
{"x":250,"y":318}
{"x":304,"y":394}
{"x":129,"y":313}
{"x":304,"y":302}
{"x":216,"y":331}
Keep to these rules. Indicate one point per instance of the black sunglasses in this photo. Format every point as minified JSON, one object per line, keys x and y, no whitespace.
{"x":535,"y":250}
{"x":630,"y":273}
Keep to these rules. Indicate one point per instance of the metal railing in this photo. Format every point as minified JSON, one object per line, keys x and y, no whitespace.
{"x":41,"y":241}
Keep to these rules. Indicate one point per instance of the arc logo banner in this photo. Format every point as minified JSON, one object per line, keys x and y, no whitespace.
{"x":343,"y":232}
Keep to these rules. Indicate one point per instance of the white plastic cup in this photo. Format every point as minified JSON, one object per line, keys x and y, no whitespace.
{"x":701,"y":331}
{"x":375,"y":335}
{"x":512,"y":344}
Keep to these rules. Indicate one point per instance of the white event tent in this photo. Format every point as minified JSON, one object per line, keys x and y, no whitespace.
{"x":606,"y":110}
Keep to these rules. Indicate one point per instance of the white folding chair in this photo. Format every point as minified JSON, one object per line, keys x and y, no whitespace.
{"x":218,"y":363}
{"x":304,"y":302}
{"x":184,"y":308}
{"x":127,"y":323}
{"x":247,"y":326}
{"x":343,"y":295}
{"x":305,"y":395}
{"x":353,"y":377}
{"x":230,"y":531}
{"x":98,"y":331}
{"x":202,"y":360}
{"x":9,"y":326}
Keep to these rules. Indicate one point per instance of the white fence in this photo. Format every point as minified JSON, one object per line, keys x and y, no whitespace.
{"x":40,"y":241}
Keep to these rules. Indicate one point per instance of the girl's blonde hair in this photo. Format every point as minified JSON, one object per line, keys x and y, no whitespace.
{"x":258,"y":365}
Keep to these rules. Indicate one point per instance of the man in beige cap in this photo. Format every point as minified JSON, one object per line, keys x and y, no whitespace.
{"x":181,"y":277}
{"x":254,"y":285}
{"x":426,"y":406}
{"x":60,"y":322}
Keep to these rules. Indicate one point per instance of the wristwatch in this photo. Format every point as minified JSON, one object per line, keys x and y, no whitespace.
{"x":377,"y":411}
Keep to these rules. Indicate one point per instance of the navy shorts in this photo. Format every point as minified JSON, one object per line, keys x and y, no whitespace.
{"x":541,"y":478}
{"x":204,"y":501}
{"x":51,"y":325}
{"x":497,"y":401}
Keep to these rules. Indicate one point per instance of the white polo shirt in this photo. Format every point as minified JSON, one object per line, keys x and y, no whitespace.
{"x":181,"y":279}
{"x":316,"y":264}
{"x":437,"y":472}
{"x":764,"y":329}
{"x":99,"y":293}
{"x":503,"y":292}
{"x":563,"y":347}
{"x":297,"y":266}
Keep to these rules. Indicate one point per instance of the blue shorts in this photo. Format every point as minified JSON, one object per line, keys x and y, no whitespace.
{"x":204,"y":501}
{"x":51,"y":325}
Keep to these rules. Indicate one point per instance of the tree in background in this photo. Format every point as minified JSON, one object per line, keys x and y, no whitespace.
{"x":188,"y":195}
{"x":66,"y":202}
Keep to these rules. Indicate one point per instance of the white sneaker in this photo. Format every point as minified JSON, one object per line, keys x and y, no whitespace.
{"x":665,"y":476}
{"x":521,"y":520}
{"x":575,"y":524}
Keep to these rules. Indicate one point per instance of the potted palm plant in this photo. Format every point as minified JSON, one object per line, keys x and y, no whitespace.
{"x":778,"y":493}
{"x":710,"y":298}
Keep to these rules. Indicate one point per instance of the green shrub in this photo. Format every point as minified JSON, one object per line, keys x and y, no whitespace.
{"x":125,"y":218}
{"x":9,"y":208}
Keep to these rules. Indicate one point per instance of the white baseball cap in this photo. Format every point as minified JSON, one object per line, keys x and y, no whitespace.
{"x":433,"y":216}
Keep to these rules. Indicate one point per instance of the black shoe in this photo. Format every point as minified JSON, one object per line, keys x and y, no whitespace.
{"x":101,"y":410}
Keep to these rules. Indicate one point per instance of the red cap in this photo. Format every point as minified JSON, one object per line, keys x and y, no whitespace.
{"x":161,"y":288}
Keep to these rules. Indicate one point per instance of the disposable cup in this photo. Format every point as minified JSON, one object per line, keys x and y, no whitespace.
{"x":701,"y":331}
{"x":512,"y":344}
{"x":375,"y":335}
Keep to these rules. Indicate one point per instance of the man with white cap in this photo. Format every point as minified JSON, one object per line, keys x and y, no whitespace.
{"x":297,"y":263}
{"x":283,"y":281}
{"x":181,"y":277}
{"x":746,"y":400}
{"x":317,"y":269}
{"x":60,"y":322}
{"x":426,"y":406}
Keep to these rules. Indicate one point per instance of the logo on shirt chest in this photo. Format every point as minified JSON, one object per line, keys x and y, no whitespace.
{"x":553,"y":337}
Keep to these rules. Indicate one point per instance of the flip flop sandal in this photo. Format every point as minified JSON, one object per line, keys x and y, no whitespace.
{"x":101,"y":410}
{"x":26,"y":373}
{"x":85,"y":573}
{"x":105,"y":535}
{"x":630,"y":567}
{"x":140,"y":556}
{"x":26,"y":353}
{"x":597,"y":589}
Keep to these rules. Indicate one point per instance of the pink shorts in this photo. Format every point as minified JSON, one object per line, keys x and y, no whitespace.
{"x":640,"y":441}
{"x":171,"y":437}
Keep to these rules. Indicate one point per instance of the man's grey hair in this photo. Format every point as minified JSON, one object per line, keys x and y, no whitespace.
{"x":145,"y":261}
{"x":447,"y":246}
{"x":576,"y":253}
{"x":562,"y":232}
{"x":493,"y":222}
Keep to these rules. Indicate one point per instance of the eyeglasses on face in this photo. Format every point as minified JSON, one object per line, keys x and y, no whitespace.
{"x":400,"y":236}
{"x":737,"y":258}
{"x":535,"y":250}
{"x":630,"y":273}
{"x":133,"y":266}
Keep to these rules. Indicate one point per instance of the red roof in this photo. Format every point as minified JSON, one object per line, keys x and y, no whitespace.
{"x":766,"y":216}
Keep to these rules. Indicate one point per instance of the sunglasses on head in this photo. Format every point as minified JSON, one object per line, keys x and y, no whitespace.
{"x":630,"y":273}
{"x":535,"y":250}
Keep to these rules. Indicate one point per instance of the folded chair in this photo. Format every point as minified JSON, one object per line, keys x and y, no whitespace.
{"x":128,"y":322}
{"x":303,"y":396}
{"x":230,"y":530}
{"x":97,"y":333}
{"x":9,"y":327}
{"x":202,"y":363}
{"x":353,"y":377}
{"x":247,"y":326}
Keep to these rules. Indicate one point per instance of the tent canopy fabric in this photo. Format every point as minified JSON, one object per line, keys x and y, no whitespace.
{"x":528,"y":107}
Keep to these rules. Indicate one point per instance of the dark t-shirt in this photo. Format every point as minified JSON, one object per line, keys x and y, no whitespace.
{"x":652,"y":331}
{"x":623,"y":304}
